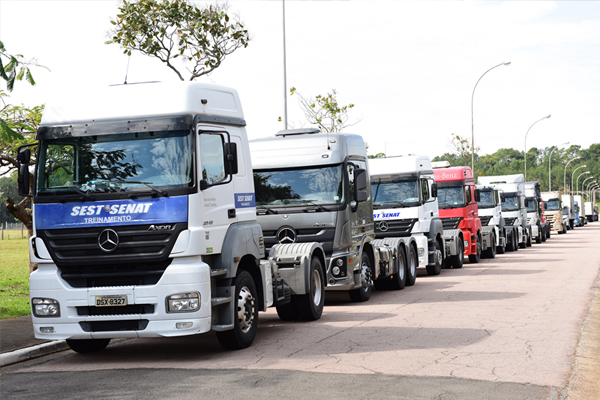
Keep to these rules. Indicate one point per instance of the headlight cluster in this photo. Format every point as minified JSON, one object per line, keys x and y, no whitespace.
{"x":183,"y":302}
{"x":339,"y":267}
{"x":45,"y":307}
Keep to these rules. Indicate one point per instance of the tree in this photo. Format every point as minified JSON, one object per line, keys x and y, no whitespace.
{"x":325,"y":111}
{"x":172,"y":29}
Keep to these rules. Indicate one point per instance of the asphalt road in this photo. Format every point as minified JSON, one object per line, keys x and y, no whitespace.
{"x":507,"y":328}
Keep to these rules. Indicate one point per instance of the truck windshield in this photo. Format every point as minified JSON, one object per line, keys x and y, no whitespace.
{"x":400,"y":192}
{"x":299,"y":187}
{"x":553,"y":205}
{"x":486,"y":199}
{"x":531,"y":204}
{"x":451,"y":195}
{"x":565,"y":210}
{"x":115,"y":163}
{"x":511,"y":202}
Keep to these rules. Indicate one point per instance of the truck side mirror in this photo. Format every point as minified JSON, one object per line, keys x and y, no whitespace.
{"x":434,"y":189}
{"x":23,"y":158}
{"x":545,"y":206}
{"x":477,"y":195}
{"x":361,"y":195}
{"x":526,"y":203}
{"x":502,"y":197}
{"x":360,"y":179}
{"x":231,"y":159}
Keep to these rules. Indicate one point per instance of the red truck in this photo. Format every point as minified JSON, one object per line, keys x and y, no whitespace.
{"x":457,"y":201}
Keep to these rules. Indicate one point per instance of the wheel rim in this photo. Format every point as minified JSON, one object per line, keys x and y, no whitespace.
{"x":413,"y":267}
{"x":365,"y":276}
{"x":317,"y":290}
{"x":245,"y":308}
{"x":438,"y":256}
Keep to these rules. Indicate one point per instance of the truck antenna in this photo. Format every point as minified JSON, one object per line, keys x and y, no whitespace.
{"x":127,"y":69}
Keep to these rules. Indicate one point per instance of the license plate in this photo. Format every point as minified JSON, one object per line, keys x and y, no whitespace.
{"x":111,"y":300}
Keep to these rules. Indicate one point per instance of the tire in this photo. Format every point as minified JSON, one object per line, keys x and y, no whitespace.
{"x":564,"y":229}
{"x":516,"y":240}
{"x":539,"y":239}
{"x":307,"y":307}
{"x":412,"y":262}
{"x":245,"y":319}
{"x":529,"y":240}
{"x":544,"y":236}
{"x":363,"y":293}
{"x":398,"y":280}
{"x":458,"y":260}
{"x":475,"y":258}
{"x":491,"y":251}
{"x":501,"y":249}
{"x":436,"y":269}
{"x":84,"y":346}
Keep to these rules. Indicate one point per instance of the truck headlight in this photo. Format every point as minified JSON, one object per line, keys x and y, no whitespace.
{"x":339,"y":267}
{"x":44,"y":308}
{"x":183,"y":302}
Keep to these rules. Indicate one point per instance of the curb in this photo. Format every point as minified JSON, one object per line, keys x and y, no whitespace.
{"x":32,"y":352}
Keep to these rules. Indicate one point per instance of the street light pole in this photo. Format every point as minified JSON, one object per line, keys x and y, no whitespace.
{"x":573,"y":176}
{"x":550,"y":167}
{"x":472,"y":126}
{"x":525,"y":151}
{"x":577,"y":181}
{"x":285,"y":116}
{"x":565,"y":177}
{"x":584,"y":181}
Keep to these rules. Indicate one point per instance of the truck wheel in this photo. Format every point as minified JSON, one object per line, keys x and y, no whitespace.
{"x":398,"y":280}
{"x":310,"y":305}
{"x":363,"y":293}
{"x":458,"y":260}
{"x":413,"y":263}
{"x":516,"y":240}
{"x":474,"y":258}
{"x":84,"y":346}
{"x":245,"y":318}
{"x":538,"y":239}
{"x":564,"y":230}
{"x":436,"y":268}
{"x":491,"y":251}
{"x":501,"y":249}
{"x":544,"y":236}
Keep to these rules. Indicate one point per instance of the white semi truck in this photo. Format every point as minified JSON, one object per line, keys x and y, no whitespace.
{"x":405,"y":207}
{"x":313,"y":187}
{"x":492,"y":221}
{"x":569,"y":201}
{"x":539,"y":228}
{"x":145,"y":221}
{"x":579,"y":211}
{"x":589,"y":211}
{"x":514,"y":207}
{"x":554,"y":212}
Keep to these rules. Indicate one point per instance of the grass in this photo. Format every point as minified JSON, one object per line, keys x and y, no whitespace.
{"x":14,"y":278}
{"x":13,"y":234}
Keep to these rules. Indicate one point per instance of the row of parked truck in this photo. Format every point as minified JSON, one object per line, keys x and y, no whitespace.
{"x":154,"y":215}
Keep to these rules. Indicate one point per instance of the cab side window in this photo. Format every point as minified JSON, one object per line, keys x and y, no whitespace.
{"x":425,"y":189}
{"x":352,"y":195}
{"x":212,"y":157}
{"x":468,"y":194}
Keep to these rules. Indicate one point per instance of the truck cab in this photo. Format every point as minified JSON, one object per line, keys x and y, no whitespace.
{"x":457,"y":201}
{"x":405,"y":206}
{"x":492,"y":222}
{"x":514,"y":207}
{"x":569,"y":201}
{"x":553,"y":208}
{"x":535,"y":211}
{"x":313,"y":187}
{"x":579,"y":219}
{"x":144,"y":219}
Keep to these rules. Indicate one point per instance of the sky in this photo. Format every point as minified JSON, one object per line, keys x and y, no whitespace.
{"x":409,"y":67}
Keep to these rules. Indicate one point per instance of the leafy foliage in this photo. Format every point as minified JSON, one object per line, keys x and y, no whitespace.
{"x":16,"y":69}
{"x":325,"y":111}
{"x":172,"y":29}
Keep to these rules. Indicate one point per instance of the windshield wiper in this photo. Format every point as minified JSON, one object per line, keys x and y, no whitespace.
{"x":155,"y":190}
{"x":317,"y":206}
{"x":396,"y":204}
{"x":76,"y":190}
{"x":267,"y":210}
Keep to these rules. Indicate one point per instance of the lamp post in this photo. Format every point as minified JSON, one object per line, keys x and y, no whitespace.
{"x":285,"y":116}
{"x":550,"y":167}
{"x":589,"y":187}
{"x":577,"y":180}
{"x":525,"y":151}
{"x":565,"y":177}
{"x":472,"y":126}
{"x":583,"y":183}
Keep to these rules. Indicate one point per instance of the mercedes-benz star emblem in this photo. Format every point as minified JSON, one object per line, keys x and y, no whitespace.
{"x":108,"y":240}
{"x":286,"y":234}
{"x":383,"y":226}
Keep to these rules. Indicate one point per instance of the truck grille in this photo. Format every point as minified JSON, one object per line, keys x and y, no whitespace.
{"x":394,"y":228}
{"x":485,"y":221}
{"x":509,"y":221}
{"x":451,"y":223}
{"x":140,"y":258}
{"x":321,"y":235}
{"x":550,"y":218}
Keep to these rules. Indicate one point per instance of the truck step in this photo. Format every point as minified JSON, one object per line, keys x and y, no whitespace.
{"x":217,"y":301}
{"x":218,"y":272}
{"x":221,"y":328}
